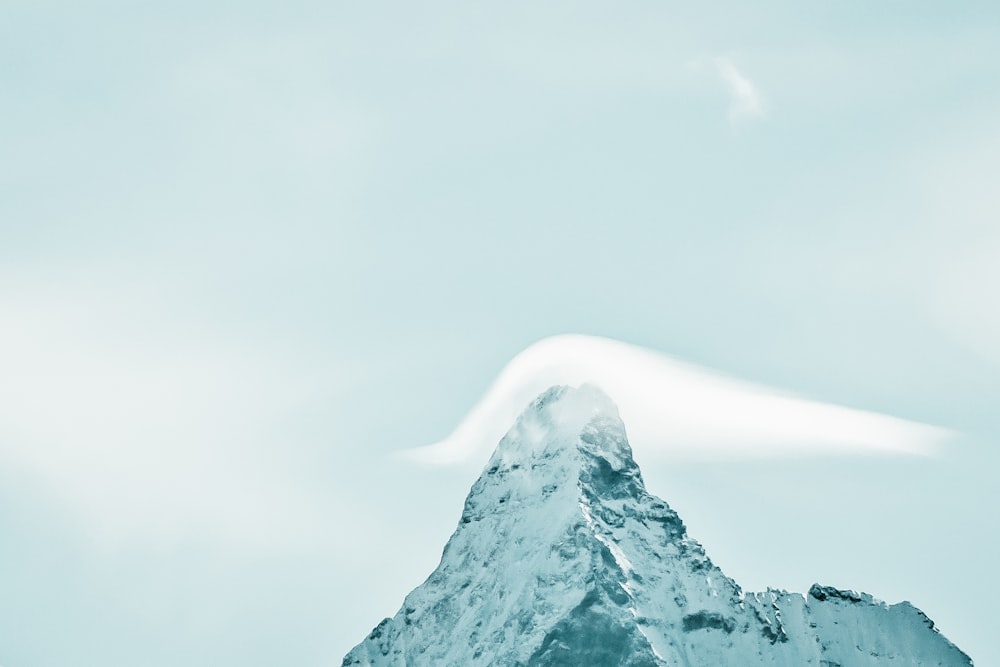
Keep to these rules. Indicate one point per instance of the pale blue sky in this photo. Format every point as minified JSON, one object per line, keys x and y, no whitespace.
{"x":248,"y":250}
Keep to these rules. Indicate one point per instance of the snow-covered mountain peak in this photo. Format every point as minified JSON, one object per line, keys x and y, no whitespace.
{"x":562,"y":557}
{"x":570,"y":424}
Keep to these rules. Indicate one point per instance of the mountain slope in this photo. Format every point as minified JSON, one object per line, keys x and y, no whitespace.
{"x":561,"y":557}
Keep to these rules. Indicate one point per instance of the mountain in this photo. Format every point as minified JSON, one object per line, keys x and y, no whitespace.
{"x":562,"y":557}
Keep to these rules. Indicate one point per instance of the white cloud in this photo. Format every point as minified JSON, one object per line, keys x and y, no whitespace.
{"x":962,"y":299}
{"x":745,"y":99}
{"x":675,"y":410}
{"x":957,"y":267}
{"x":143,"y":433}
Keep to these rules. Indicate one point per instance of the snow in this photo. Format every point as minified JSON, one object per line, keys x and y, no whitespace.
{"x":562,"y":557}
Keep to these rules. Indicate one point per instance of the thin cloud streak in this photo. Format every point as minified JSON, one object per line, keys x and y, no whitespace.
{"x":677,"y":411}
{"x":746,"y":100}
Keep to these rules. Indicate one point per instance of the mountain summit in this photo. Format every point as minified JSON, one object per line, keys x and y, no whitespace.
{"x":562,"y":557}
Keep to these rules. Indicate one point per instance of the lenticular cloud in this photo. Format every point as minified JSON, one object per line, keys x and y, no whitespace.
{"x":676,"y":410}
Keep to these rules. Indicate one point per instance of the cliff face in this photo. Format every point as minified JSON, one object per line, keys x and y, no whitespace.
{"x":561,"y":557}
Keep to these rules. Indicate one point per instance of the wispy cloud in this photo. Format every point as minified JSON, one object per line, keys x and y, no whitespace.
{"x":147,"y":436}
{"x":745,"y":98}
{"x":958,"y":262}
{"x":677,"y":410}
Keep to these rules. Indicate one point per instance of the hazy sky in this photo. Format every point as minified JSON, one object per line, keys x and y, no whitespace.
{"x":249,"y":251}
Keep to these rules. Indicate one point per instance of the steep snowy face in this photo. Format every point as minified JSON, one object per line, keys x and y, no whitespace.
{"x":561,"y":557}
